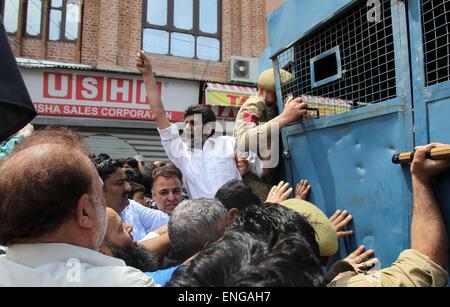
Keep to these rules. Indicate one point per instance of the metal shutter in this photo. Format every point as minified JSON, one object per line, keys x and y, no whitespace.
{"x":123,"y":143}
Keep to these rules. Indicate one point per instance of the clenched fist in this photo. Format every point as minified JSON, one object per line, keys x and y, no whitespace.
{"x":143,"y":63}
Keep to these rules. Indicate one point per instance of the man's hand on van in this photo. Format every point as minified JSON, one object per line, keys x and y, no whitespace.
{"x":279,"y":193}
{"x":302,"y":190}
{"x":340,"y":220}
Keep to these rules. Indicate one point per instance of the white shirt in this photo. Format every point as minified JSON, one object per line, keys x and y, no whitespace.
{"x":149,"y":236}
{"x":204,"y":170}
{"x":64,"y":265}
{"x":143,"y":219}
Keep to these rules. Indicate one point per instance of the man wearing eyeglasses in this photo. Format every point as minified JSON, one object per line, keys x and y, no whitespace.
{"x":206,"y":161}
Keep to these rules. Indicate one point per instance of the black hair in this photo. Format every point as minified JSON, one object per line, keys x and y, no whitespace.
{"x":136,"y":256}
{"x":243,"y":260}
{"x":100,"y":158}
{"x":167,"y":172}
{"x":147,"y":179}
{"x":106,"y":168}
{"x":132,"y":162}
{"x":237,"y":194}
{"x":135,"y":188}
{"x":103,"y":156}
{"x":207,"y":114}
{"x":270,"y":221}
{"x":134,"y":175}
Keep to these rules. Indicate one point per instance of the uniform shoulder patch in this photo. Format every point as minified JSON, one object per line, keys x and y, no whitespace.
{"x":251,"y":118}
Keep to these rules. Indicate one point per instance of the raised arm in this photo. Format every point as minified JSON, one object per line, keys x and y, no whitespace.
{"x":429,"y":234}
{"x":248,"y":129}
{"x":154,"y":100}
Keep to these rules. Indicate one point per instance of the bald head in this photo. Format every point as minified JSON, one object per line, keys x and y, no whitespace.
{"x":40,"y":187}
{"x":53,"y":135}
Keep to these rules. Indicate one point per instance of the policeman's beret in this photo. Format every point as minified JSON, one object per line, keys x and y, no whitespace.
{"x":267,"y":79}
{"x":325,"y":232}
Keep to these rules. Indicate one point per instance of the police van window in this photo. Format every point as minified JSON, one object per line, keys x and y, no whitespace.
{"x":185,"y":28}
{"x":347,"y":62}
{"x":326,"y":67}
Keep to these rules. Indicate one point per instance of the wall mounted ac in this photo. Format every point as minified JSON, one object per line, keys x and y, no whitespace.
{"x":243,"y":69}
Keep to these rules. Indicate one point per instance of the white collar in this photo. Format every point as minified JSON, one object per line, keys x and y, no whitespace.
{"x":35,"y":255}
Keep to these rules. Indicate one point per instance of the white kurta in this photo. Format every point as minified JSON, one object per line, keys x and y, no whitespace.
{"x":64,"y":265}
{"x":204,"y":170}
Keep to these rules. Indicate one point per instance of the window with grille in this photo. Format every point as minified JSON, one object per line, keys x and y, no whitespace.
{"x":436,"y":38}
{"x":185,"y":28}
{"x":358,"y":62}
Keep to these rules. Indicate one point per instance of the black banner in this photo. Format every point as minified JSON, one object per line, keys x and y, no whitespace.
{"x":16,"y":108}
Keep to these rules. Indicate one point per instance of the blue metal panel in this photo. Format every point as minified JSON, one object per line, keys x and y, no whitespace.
{"x":438,"y":123}
{"x":432,"y":110}
{"x":436,"y":92}
{"x":431,"y":103}
{"x":347,"y":157}
{"x":295,"y":18}
{"x":264,"y":60}
{"x":418,"y":72}
{"x":349,"y":167}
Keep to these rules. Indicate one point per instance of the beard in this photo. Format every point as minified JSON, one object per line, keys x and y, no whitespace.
{"x":136,"y":256}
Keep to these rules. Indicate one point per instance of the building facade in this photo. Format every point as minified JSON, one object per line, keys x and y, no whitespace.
{"x":77,"y":58}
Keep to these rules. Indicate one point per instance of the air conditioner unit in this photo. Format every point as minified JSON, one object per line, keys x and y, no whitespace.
{"x":243,"y":69}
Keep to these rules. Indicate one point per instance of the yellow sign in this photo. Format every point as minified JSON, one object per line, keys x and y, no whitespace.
{"x":215,"y":98}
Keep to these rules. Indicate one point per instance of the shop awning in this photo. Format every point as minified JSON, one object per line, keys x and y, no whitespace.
{"x":227,"y":95}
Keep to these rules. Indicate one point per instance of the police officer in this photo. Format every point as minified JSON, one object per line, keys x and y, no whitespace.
{"x":258,"y":125}
{"x":258,"y":120}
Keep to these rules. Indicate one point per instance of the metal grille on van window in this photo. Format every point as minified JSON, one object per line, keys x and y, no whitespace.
{"x":436,"y":38}
{"x":347,"y":63}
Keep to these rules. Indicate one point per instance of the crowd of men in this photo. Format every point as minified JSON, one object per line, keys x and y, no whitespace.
{"x":210,"y":216}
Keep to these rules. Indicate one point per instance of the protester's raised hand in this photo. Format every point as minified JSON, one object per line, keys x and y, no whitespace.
{"x":360,"y":259}
{"x":340,"y":219}
{"x":279,"y":193}
{"x":143,"y":63}
{"x":302,"y":190}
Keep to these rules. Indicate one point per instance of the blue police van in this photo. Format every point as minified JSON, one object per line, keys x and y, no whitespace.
{"x":376,"y":75}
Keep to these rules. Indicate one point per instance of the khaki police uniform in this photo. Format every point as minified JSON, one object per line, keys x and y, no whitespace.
{"x":254,"y":129}
{"x":259,"y":187}
{"x":412,"y":269}
{"x":253,"y":123}
{"x":253,"y":120}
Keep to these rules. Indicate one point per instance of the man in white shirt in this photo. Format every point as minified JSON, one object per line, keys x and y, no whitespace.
{"x":52,"y":219}
{"x":116,"y":189}
{"x":208,"y":162}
